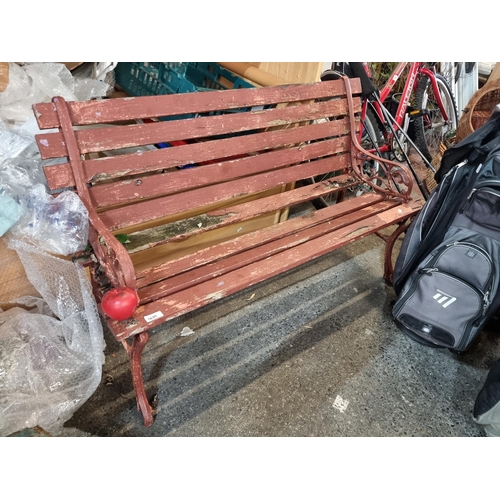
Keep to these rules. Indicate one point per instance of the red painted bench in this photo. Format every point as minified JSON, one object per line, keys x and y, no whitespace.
{"x":194,"y":235}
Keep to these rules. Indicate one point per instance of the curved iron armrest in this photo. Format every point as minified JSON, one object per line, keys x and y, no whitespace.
{"x":397,"y":180}
{"x":110,"y":253}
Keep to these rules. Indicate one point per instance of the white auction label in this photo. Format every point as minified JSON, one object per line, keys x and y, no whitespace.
{"x":152,"y":317}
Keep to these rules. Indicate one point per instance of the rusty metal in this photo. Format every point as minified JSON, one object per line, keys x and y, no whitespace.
{"x":135,"y":354}
{"x":395,"y":173}
{"x":388,"y":267}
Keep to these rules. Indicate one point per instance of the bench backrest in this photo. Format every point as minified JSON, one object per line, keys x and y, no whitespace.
{"x":304,"y":132}
{"x":234,"y":165}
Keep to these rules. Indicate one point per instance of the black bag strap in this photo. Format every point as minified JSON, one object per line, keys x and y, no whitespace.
{"x":367,"y":85}
{"x":475,"y":147}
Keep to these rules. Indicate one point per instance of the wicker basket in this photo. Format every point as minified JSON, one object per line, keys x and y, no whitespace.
{"x":429,"y":181}
{"x":478,"y":109}
{"x":474,"y":116}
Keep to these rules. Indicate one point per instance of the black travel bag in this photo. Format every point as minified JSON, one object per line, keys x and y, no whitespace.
{"x":447,"y":274}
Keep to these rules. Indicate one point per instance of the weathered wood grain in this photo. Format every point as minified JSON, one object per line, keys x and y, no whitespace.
{"x":150,"y":210}
{"x":112,"y":110}
{"x":216,"y":288}
{"x":248,"y":241}
{"x":127,"y":136}
{"x":214,"y":268}
{"x":136,"y":189}
{"x":237,"y":213}
{"x":60,"y":176}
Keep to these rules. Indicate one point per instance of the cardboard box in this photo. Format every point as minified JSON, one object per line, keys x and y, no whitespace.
{"x":72,"y":65}
{"x":4,"y":75}
{"x":13,"y":280}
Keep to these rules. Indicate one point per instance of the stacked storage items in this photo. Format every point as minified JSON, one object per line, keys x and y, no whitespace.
{"x":155,"y":78}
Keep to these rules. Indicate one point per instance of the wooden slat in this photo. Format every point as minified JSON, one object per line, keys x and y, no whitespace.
{"x":123,"y":192}
{"x":214,"y":289}
{"x":126,"y":136}
{"x":107,"y":111}
{"x":160,"y":254}
{"x":248,"y":210}
{"x":245,"y":242}
{"x":281,"y":242}
{"x":150,"y":210}
{"x":60,"y":176}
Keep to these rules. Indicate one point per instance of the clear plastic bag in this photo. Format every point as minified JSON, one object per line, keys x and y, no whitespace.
{"x":19,"y":175}
{"x":12,"y":144}
{"x":50,"y":364}
{"x":17,"y":142}
{"x":39,"y":82}
{"x":16,"y":100}
{"x":58,"y":225}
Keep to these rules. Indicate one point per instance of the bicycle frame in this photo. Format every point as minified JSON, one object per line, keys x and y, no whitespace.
{"x":416,"y":70}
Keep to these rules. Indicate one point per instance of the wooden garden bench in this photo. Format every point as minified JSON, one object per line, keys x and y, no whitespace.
{"x":195,"y":235}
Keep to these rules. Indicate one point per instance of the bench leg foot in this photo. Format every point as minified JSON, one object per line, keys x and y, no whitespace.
{"x":135,"y":352}
{"x":389,"y":246}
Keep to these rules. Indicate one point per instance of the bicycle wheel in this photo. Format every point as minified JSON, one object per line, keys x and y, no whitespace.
{"x":430,"y":127}
{"x":372,"y":132}
{"x":450,"y":71}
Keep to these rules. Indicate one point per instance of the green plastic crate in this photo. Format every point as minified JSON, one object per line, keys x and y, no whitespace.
{"x":175,"y":78}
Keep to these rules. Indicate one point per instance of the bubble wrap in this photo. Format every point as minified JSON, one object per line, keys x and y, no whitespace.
{"x":39,"y":82}
{"x":49,"y":365}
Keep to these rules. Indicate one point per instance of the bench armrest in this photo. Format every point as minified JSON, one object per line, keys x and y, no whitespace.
{"x":397,"y":180}
{"x":393,"y":173}
{"x":110,"y":253}
{"x":108,"y":250}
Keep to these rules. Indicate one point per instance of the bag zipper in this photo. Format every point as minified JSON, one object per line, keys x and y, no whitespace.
{"x":454,"y":170}
{"x":485,"y":295}
{"x":475,"y":320}
{"x":435,"y":257}
{"x":432,"y":269}
{"x":472,"y":322}
{"x":475,"y":192}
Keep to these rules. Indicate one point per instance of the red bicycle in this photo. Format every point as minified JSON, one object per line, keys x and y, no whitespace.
{"x":423,"y":115}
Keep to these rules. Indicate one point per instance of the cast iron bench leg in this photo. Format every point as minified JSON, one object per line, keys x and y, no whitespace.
{"x":135,"y":352}
{"x":389,"y":246}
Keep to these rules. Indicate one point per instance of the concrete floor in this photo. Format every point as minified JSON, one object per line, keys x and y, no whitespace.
{"x":311,"y":353}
